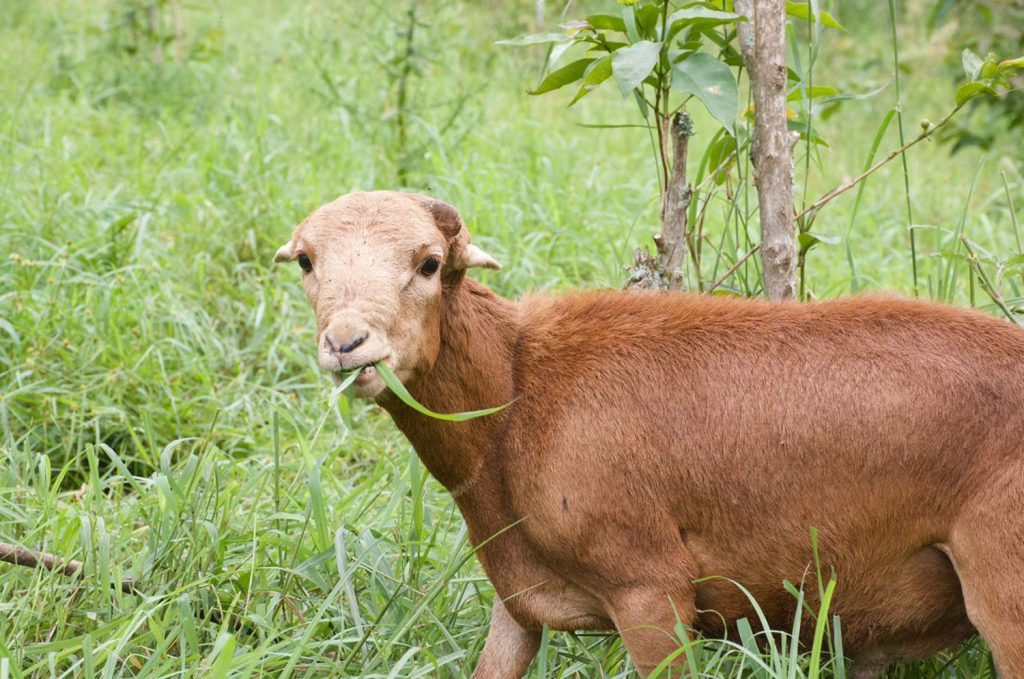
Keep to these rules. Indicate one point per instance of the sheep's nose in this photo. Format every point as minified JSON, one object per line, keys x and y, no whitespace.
{"x":344,"y":346}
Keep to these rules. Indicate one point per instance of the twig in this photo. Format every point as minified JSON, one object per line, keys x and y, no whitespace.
{"x":19,"y":556}
{"x":754,"y":250}
{"x":843,"y":188}
{"x":986,"y":284}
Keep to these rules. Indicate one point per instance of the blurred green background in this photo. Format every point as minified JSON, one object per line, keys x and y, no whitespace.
{"x":162,"y":417}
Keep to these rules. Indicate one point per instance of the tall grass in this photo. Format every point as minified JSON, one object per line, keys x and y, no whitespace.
{"x":162,"y":417}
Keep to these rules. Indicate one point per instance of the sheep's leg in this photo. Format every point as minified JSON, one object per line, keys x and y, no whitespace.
{"x":647,"y":618}
{"x":867,"y":669}
{"x":987,"y":552}
{"x":509,"y":648}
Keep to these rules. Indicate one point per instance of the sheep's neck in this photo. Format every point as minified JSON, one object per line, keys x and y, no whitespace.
{"x":473,"y":370}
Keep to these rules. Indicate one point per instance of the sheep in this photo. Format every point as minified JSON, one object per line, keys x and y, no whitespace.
{"x":656,"y":439}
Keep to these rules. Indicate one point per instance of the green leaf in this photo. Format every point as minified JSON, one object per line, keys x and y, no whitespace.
{"x":807,"y":240}
{"x":700,"y":15}
{"x":721,"y":156}
{"x":990,"y":69}
{"x":344,"y":405}
{"x":562,"y":77}
{"x":630,"y":65}
{"x":401,"y":392}
{"x":629,"y":21}
{"x":972,"y":64}
{"x":598,"y":72}
{"x":805,"y":132}
{"x":812,"y":93}
{"x":712,"y":82}
{"x":1011,"y":64}
{"x":224,"y":650}
{"x":647,"y":19}
{"x":535,"y":39}
{"x":607,"y":22}
{"x":802,"y":10}
{"x":972,"y":90}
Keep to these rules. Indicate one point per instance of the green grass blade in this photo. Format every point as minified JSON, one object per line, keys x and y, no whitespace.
{"x":401,"y":392}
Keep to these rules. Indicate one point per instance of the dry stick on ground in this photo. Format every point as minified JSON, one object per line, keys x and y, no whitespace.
{"x":772,"y":154}
{"x":19,"y":556}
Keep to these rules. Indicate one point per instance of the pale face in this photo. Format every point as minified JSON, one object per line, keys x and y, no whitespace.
{"x":372,"y":266}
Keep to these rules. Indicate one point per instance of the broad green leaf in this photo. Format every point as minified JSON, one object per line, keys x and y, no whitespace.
{"x":701,"y":15}
{"x":607,"y":22}
{"x":712,"y":82}
{"x":598,"y":72}
{"x":648,"y":18}
{"x":630,"y":65}
{"x":812,"y":93}
{"x":535,"y":39}
{"x":629,"y":21}
{"x":802,"y":10}
{"x":972,"y":64}
{"x":1012,"y":64}
{"x":401,"y":392}
{"x":721,"y":156}
{"x":972,"y":90}
{"x":562,"y":77}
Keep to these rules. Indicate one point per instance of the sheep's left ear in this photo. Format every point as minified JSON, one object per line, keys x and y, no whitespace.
{"x":473,"y":257}
{"x":285,"y":253}
{"x":462,"y":254}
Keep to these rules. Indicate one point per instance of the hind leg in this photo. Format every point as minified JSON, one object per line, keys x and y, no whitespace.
{"x":987,"y":550}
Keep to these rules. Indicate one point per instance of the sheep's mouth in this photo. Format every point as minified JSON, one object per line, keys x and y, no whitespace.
{"x":367,"y":372}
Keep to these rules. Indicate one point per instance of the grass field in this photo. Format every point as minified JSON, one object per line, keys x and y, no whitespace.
{"x":162,"y":417}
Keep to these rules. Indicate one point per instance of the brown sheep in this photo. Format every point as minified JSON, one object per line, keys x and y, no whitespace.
{"x":656,"y":439}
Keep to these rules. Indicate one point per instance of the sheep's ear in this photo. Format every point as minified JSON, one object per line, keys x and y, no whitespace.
{"x":285,"y":253}
{"x":472,"y":256}
{"x":463,"y":254}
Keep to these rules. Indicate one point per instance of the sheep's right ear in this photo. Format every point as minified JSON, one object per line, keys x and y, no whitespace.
{"x":285,"y":253}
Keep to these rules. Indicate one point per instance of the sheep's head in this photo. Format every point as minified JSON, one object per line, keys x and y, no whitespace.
{"x":375,"y":267}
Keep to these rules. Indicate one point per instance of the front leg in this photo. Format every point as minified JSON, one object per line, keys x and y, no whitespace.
{"x":509,"y":649}
{"x":646,"y":619}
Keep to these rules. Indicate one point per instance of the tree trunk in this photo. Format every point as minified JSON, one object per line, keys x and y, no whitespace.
{"x":664,"y":269}
{"x":764,"y":55}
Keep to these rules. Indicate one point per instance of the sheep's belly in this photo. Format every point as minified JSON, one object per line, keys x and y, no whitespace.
{"x":904,"y":607}
{"x":557,"y":604}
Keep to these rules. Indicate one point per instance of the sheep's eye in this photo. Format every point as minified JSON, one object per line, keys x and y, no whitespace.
{"x":430,"y":267}
{"x":304,"y":262}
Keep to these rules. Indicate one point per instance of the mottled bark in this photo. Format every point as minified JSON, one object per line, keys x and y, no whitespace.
{"x":764,"y":55}
{"x":664,"y":269}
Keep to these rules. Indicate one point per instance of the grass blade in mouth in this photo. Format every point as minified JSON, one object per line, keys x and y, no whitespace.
{"x":401,"y":392}
{"x":344,"y":405}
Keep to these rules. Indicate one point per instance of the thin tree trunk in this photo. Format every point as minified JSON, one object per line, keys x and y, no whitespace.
{"x":671,"y":242}
{"x":764,"y":55}
{"x":664,"y":269}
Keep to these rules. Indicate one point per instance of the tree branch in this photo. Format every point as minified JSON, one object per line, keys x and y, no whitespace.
{"x":813,"y":208}
{"x":19,"y":556}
